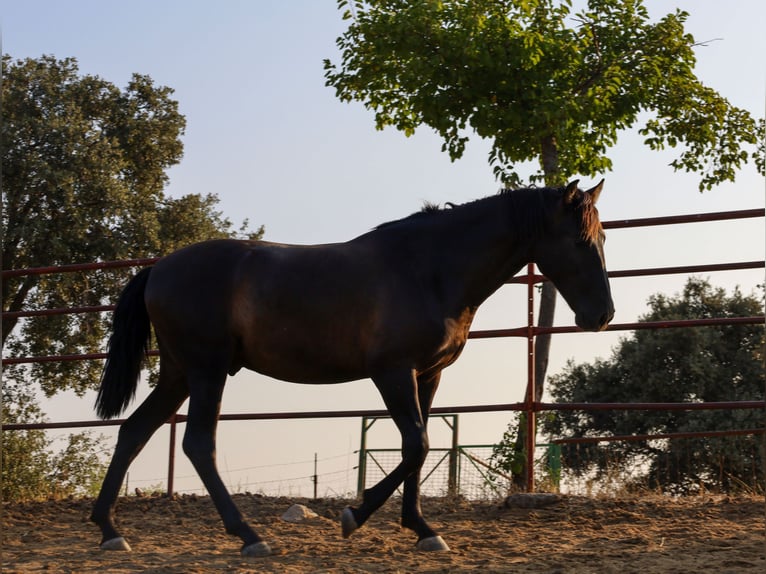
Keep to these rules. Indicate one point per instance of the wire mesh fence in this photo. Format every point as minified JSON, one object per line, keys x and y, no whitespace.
{"x":465,"y":471}
{"x":677,"y":466}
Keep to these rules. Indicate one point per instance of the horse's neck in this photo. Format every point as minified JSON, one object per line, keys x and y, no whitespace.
{"x":470,"y":252}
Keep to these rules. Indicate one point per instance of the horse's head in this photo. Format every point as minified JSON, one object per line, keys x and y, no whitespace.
{"x":571,"y":254}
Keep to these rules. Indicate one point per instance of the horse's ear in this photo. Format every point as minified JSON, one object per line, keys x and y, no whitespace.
{"x":570,"y":192}
{"x":596,"y":191}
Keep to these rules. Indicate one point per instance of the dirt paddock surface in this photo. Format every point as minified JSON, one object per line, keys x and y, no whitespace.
{"x":576,"y":535}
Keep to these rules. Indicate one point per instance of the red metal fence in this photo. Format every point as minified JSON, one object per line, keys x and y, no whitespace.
{"x":530,"y":407}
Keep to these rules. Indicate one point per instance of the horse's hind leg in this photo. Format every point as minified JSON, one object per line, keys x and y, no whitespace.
{"x":199,"y":446}
{"x":134,"y":433}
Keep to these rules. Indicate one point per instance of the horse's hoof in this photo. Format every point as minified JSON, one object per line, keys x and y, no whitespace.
{"x":432,"y":544}
{"x":348,"y":522}
{"x":257,"y":549}
{"x":118,"y":543}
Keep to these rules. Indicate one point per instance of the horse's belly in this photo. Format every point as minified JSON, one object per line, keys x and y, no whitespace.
{"x":310,"y":374}
{"x":321,"y":363}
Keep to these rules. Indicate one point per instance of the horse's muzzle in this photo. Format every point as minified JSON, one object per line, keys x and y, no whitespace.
{"x":595,"y":325}
{"x":606,"y":318}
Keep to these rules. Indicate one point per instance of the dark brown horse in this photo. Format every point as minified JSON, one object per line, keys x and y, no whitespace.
{"x":394,"y":305}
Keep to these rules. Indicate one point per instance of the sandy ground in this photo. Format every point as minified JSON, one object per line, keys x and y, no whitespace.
{"x":577,"y":535}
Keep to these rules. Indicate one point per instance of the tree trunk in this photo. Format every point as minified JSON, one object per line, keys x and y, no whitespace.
{"x":553,"y":178}
{"x":547,"y":310}
{"x":543,"y":341}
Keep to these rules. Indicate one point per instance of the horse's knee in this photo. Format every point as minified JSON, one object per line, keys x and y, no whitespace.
{"x":129,"y":433}
{"x":130,"y":441}
{"x":198,"y":447}
{"x":415,"y":449}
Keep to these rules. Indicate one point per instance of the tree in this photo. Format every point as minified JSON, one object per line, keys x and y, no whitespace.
{"x":25,"y":455}
{"x":84,"y":168}
{"x":704,"y":364}
{"x":31,"y":470}
{"x":543,"y":85}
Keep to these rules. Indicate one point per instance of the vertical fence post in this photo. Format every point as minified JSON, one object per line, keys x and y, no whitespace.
{"x":362,"y":474}
{"x":453,"y":485}
{"x":529,"y":406}
{"x":171,"y":455}
{"x":315,"y":478}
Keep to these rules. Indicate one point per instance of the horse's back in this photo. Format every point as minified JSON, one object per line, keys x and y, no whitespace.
{"x":200,"y":271}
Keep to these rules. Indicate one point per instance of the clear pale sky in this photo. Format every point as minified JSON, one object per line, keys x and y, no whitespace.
{"x":266,"y":135}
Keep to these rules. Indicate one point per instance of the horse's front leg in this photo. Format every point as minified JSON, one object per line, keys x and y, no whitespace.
{"x":412,"y":516}
{"x":399,"y":392}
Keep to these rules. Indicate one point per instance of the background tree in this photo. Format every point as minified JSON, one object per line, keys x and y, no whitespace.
{"x":36,"y":467}
{"x":704,"y":364}
{"x":84,"y":168}
{"x":26,"y":459}
{"x":542,"y":84}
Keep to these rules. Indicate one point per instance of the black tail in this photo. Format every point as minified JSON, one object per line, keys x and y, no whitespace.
{"x":127,"y":349}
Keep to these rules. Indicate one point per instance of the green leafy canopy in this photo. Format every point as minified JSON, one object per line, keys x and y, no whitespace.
{"x":522,"y":73}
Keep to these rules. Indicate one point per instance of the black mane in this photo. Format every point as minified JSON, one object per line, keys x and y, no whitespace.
{"x":527,"y":203}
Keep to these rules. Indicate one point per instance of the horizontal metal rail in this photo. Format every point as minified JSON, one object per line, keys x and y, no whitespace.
{"x":521,"y":279}
{"x":8,"y":273}
{"x":688,"y":218}
{"x":703,"y":406}
{"x":613,"y":224}
{"x":677,"y":324}
{"x":643,"y":437}
{"x":687,"y":269}
{"x":478,"y":334}
{"x":58,"y":311}
{"x":463,"y":409}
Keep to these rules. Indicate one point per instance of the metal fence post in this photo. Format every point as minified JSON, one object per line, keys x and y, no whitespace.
{"x":529,"y":406}
{"x":171,"y":455}
{"x":453,"y":485}
{"x":362,"y":471}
